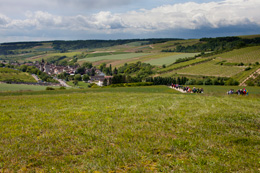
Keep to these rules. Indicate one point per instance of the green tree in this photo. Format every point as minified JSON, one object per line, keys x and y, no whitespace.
{"x":80,"y":70}
{"x":78,"y":77}
{"x":102,"y":66}
{"x":87,"y":65}
{"x":85,"y":77}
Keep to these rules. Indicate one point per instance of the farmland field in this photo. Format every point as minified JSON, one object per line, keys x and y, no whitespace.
{"x":152,"y":131}
{"x":211,"y":69}
{"x":245,"y":55}
{"x":46,"y":56}
{"x":114,"y":57}
{"x":183,"y":64}
{"x":170,"y":59}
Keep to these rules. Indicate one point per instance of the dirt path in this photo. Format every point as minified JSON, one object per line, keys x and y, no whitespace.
{"x":36,"y":77}
{"x":253,"y":75}
{"x":180,"y":90}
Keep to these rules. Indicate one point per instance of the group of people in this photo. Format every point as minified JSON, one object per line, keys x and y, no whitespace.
{"x":238,"y":92}
{"x":193,"y":90}
{"x":187,"y":89}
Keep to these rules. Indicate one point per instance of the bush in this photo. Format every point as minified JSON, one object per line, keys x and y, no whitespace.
{"x":207,"y":81}
{"x":191,"y":82}
{"x":248,"y":68}
{"x":231,"y":82}
{"x":62,"y":88}
{"x":49,"y":88}
{"x":199,"y":82}
{"x":250,"y":83}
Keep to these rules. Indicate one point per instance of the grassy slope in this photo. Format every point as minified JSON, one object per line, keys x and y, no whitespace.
{"x":7,"y":74}
{"x":141,"y":131}
{"x":211,"y":69}
{"x":245,"y":55}
{"x":114,"y":57}
{"x":169,"y":59}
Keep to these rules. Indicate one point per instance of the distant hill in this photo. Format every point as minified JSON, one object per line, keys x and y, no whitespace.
{"x":230,"y":57}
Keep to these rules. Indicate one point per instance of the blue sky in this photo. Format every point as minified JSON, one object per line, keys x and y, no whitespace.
{"x":27,"y":20}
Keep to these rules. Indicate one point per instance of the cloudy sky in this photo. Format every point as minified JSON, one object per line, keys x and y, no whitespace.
{"x":35,"y":20}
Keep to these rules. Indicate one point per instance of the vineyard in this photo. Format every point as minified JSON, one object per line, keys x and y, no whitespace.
{"x":245,"y":55}
{"x":169,"y":59}
{"x":114,"y":57}
{"x":211,"y":69}
{"x":183,"y":64}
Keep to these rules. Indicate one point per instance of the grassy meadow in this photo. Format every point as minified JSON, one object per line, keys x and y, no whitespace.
{"x":140,"y":129}
{"x":20,"y":87}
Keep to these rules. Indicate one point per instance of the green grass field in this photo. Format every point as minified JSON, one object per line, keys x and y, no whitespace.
{"x":170,"y":59}
{"x":211,"y":69}
{"x":128,"y":130}
{"x":7,"y":74}
{"x":18,"y":87}
{"x":81,"y":84}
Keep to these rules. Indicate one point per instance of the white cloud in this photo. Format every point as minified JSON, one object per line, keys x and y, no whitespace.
{"x":188,"y":15}
{"x":3,"y":20}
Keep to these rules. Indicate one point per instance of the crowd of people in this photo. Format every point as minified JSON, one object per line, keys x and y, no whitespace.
{"x":187,"y":89}
{"x":238,"y":92}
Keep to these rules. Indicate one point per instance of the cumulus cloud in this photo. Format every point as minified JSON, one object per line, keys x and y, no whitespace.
{"x":189,"y":15}
{"x":3,"y":20}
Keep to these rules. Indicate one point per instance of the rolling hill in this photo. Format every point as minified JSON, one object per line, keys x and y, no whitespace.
{"x":235,"y":57}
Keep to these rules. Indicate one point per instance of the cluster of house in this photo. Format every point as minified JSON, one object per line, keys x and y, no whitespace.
{"x":52,"y":69}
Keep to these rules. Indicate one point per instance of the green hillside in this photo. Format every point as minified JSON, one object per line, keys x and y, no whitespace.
{"x":235,"y":57}
{"x":11,"y":75}
{"x":150,"y":129}
{"x":245,"y":55}
{"x":211,"y":69}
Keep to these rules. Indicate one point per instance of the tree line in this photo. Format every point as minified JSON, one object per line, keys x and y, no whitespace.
{"x":217,"y":45}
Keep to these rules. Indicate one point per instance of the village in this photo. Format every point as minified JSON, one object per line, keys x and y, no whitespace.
{"x":94,"y":75}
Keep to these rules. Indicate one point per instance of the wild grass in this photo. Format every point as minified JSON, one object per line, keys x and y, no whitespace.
{"x":7,"y":74}
{"x":20,"y":87}
{"x":129,"y":132}
{"x":80,"y":84}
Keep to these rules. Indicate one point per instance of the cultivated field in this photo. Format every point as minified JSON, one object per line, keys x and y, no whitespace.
{"x":169,"y":59}
{"x":149,"y":129}
{"x":113,"y":57}
{"x":211,"y":69}
{"x":183,"y":64}
{"x":245,"y":55}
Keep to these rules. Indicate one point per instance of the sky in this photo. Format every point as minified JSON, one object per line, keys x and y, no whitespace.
{"x":41,"y":20}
